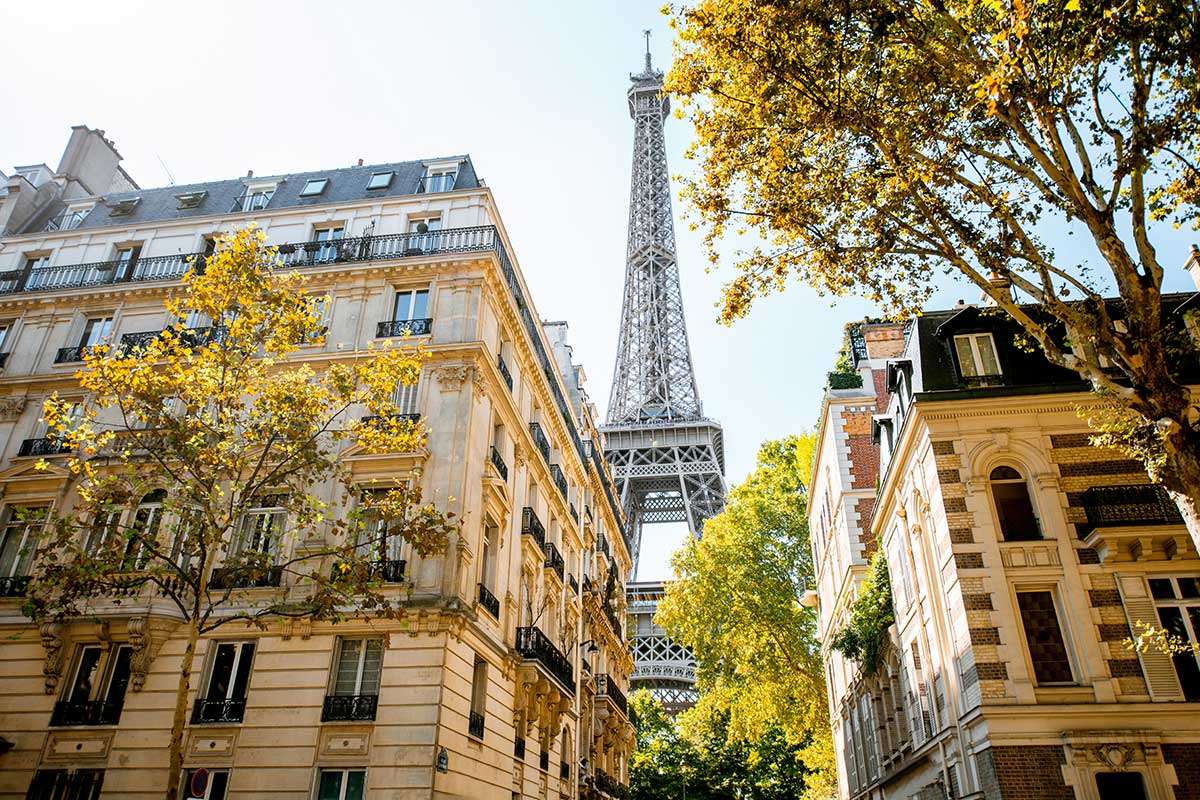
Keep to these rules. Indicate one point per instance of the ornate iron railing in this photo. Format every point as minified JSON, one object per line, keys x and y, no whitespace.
{"x":44,"y":446}
{"x":554,"y":559}
{"x":349,"y":707}
{"x":98,"y":273}
{"x":532,"y":526}
{"x":858,"y":345}
{"x":534,"y":645}
{"x":218,"y":710}
{"x":385,"y":571}
{"x":1145,"y":504}
{"x":539,"y":440}
{"x":87,"y":712}
{"x":70,"y":355}
{"x":14,"y":586}
{"x":475,"y":725}
{"x":610,"y":492}
{"x":403,"y":417}
{"x":504,"y":373}
{"x":610,"y":786}
{"x":245,"y":578}
{"x":498,"y":463}
{"x":403,"y":327}
{"x":193,"y":337}
{"x":607,"y":687}
{"x":560,"y":480}
{"x":489,"y":601}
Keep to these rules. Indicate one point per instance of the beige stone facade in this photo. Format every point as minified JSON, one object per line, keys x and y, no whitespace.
{"x":505,"y":679}
{"x":1020,"y":558}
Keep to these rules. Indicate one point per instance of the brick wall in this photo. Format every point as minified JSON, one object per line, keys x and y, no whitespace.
{"x":1186,"y":760}
{"x":1032,"y":772}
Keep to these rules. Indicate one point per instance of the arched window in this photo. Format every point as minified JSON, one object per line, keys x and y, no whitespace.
{"x":1014,"y":509}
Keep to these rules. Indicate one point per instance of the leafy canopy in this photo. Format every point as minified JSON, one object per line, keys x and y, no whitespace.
{"x":864,"y":638}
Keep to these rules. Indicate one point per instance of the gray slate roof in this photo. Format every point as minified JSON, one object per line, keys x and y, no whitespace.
{"x":346,"y":184}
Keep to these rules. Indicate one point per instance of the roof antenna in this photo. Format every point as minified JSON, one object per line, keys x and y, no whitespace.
{"x":647,"y":32}
{"x":170,"y":177}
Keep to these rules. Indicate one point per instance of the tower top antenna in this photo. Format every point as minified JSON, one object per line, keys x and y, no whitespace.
{"x":647,"y":34}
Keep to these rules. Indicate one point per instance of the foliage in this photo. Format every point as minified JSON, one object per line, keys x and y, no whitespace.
{"x":873,"y":146}
{"x":865,"y":635}
{"x":210,"y":424}
{"x":696,"y":757}
{"x":736,"y":603}
{"x":1149,"y":638}
{"x":844,"y":380}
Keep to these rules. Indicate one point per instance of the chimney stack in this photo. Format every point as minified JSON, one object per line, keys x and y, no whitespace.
{"x":360,"y":162}
{"x":249,"y":173}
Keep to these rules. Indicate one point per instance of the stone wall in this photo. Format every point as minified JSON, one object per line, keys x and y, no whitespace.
{"x":1032,"y":772}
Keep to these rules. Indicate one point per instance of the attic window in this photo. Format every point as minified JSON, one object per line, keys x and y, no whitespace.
{"x":190,"y":199}
{"x":314,"y":186}
{"x":123,"y":208}
{"x":380,"y":180}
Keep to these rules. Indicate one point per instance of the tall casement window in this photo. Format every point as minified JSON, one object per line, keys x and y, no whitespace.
{"x":411,"y":305}
{"x":341,"y":784}
{"x":478,"y":698}
{"x":262,"y":526}
{"x":1177,"y":601}
{"x":1043,"y":636}
{"x":380,"y":542}
{"x":96,"y":330}
{"x":976,"y":353}
{"x":224,"y":696}
{"x":354,"y":690}
{"x":95,"y":693}
{"x":1014,"y":509}
{"x":66,"y":784}
{"x":405,"y":397}
{"x":204,"y":784}
{"x":18,"y":540}
{"x":326,"y":240}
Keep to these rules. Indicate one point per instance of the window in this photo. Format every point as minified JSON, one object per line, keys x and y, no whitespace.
{"x":314,"y":186}
{"x":184,"y":538}
{"x":204,"y":784}
{"x":255,"y":198}
{"x":64,"y":784}
{"x":976,"y":356}
{"x":262,"y":526}
{"x":475,"y":722}
{"x":123,"y":208}
{"x":1177,"y":601}
{"x":224,"y":697}
{"x":327,"y":239}
{"x":359,"y":663}
{"x":411,"y":305}
{"x":426,"y":225}
{"x":438,"y":180}
{"x":147,"y":519}
{"x":1014,"y":509}
{"x":1120,"y":786}
{"x":95,"y":693}
{"x":18,"y":539}
{"x":487,"y":572}
{"x":190,"y":200}
{"x":375,"y":538}
{"x":1043,"y":636}
{"x":341,"y":784}
{"x":380,"y":180}
{"x":3,"y":337}
{"x":96,"y":331}
{"x":71,"y":217}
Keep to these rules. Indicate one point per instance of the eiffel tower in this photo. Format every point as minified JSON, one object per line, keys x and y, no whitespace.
{"x":667,"y":458}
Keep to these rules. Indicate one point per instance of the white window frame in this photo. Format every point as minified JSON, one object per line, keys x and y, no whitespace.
{"x":275,"y":515}
{"x":239,"y":653}
{"x":74,"y":214}
{"x":22,"y":562}
{"x":365,"y":642}
{"x":389,"y":174}
{"x":412,"y":303}
{"x":344,"y":784}
{"x":264,"y":190}
{"x":976,"y":367}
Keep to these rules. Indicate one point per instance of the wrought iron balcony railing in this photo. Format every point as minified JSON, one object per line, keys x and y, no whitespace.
{"x":498,"y":463}
{"x":403,"y":417}
{"x":607,"y":687}
{"x":70,"y":355}
{"x":534,"y":645}
{"x":539,"y":440}
{"x":532,"y":526}
{"x":504,"y":373}
{"x":403,"y":327}
{"x":574,"y":584}
{"x":245,"y":578}
{"x":554,"y":560}
{"x":475,"y":725}
{"x":44,"y":446}
{"x":193,"y":337}
{"x":1145,"y":504}
{"x":610,"y":786}
{"x":88,"y":712}
{"x":14,"y":586}
{"x":489,"y":601}
{"x":218,"y":710}
{"x":385,"y":571}
{"x":349,"y":707}
{"x":97,"y":273}
{"x":560,"y":480}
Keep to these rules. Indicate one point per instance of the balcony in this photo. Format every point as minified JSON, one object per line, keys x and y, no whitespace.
{"x":498,"y":462}
{"x":1122,"y":506}
{"x":532,"y":526}
{"x":554,"y":560}
{"x":475,"y":725}
{"x":14,"y":586}
{"x":97,"y":273}
{"x":606,"y":784}
{"x":349,"y":707}
{"x":489,"y":601}
{"x":194,"y":337}
{"x":560,"y":480}
{"x":574,"y":584}
{"x":245,"y":578}
{"x":539,"y":440}
{"x":500,"y":365}
{"x":88,"y":712}
{"x":402,"y":417}
{"x":403,"y":327}
{"x":607,"y":687}
{"x":71,"y":355}
{"x":205,"y":711}
{"x":533,"y":645}
{"x":387,"y":571}
{"x":45,"y":446}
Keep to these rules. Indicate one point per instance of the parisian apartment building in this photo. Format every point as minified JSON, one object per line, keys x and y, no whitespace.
{"x":506,"y":676}
{"x":1020,"y":559}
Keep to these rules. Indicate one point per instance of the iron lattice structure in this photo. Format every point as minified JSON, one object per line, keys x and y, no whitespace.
{"x":667,"y":458}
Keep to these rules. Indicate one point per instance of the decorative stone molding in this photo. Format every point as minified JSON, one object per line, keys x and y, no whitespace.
{"x":295,"y":627}
{"x":11,"y":408}
{"x":52,"y":642}
{"x":451,"y":378}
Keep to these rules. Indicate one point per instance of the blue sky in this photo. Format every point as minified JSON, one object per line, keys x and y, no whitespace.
{"x":535,"y":92}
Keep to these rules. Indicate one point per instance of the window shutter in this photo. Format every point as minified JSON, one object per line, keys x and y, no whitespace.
{"x":1157,"y":667}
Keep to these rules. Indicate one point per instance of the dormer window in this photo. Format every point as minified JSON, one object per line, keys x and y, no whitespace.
{"x":254,"y":198}
{"x":123,"y":208}
{"x":190,"y":200}
{"x":380,"y":180}
{"x":976,"y":354}
{"x":438,"y":179}
{"x":70,"y":218}
{"x":314,"y":187}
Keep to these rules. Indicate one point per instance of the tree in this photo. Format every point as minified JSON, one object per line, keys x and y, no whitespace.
{"x":735,"y":602}
{"x":874,"y":144}
{"x":199,"y":429}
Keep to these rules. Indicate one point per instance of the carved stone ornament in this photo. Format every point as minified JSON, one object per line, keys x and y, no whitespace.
{"x":53,"y":644}
{"x":11,"y":408}
{"x":452,"y":378}
{"x":1116,"y":756}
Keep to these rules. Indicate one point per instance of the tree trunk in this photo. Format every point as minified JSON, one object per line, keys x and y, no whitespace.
{"x":175,"y":769}
{"x":1181,"y":478}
